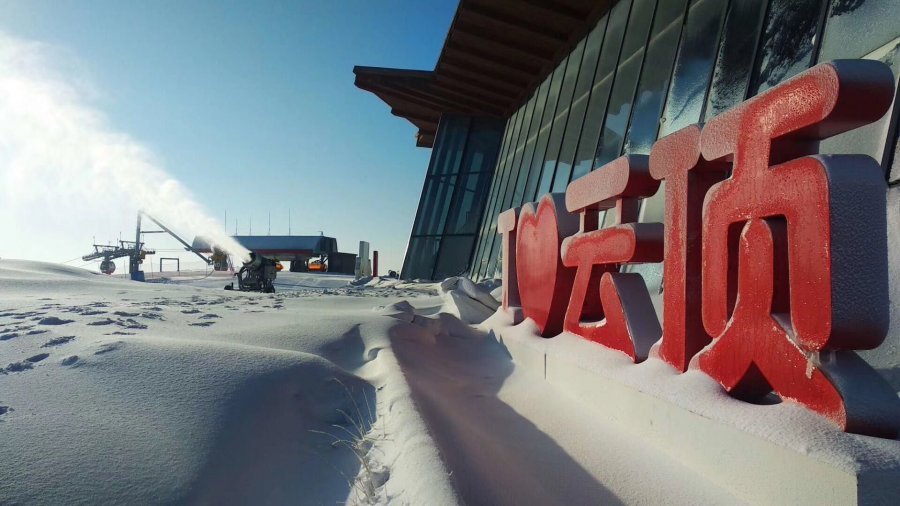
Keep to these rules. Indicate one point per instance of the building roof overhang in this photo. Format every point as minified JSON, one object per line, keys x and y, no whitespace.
{"x":495,"y":54}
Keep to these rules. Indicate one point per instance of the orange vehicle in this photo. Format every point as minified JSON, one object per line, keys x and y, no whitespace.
{"x":317,"y":265}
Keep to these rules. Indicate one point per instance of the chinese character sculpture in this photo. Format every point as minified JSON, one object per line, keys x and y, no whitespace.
{"x":617,"y":302}
{"x":775,"y":257}
{"x":795,"y":250}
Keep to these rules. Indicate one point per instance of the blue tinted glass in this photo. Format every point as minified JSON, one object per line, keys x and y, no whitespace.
{"x":530,"y":143}
{"x":603,"y":78}
{"x":563,"y":168}
{"x":694,"y":65}
{"x":540,"y":144}
{"x":549,"y":122}
{"x":545,"y":132}
{"x":788,"y":41}
{"x":618,"y":113}
{"x":855,"y":28}
{"x":734,"y":62}
{"x":655,"y":76}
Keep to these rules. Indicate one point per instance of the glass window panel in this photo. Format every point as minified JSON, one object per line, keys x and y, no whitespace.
{"x":420,"y":257}
{"x":546,"y":130}
{"x":435,"y":225}
{"x":493,"y":269}
{"x":734,"y":62}
{"x":875,"y":20}
{"x":694,"y":65}
{"x":562,"y":169}
{"x":495,"y":183}
{"x":540,"y":144}
{"x":450,"y":154}
{"x":466,"y":209}
{"x":520,"y":172}
{"x":525,"y":177}
{"x":501,"y":189}
{"x":453,"y":259}
{"x":428,"y":196}
{"x":788,"y":41}
{"x":603,"y":78}
{"x":654,"y":82}
{"x":580,"y":100}
{"x":619,"y":111}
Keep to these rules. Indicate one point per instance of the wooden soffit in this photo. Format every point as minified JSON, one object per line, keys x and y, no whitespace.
{"x":495,"y":54}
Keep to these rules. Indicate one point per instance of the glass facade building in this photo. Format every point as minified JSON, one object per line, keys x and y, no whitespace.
{"x":452,"y":203}
{"x":649,"y":68}
{"x":571,"y":95}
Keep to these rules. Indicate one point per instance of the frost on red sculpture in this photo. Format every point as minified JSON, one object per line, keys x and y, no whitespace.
{"x":676,"y":159}
{"x":607,"y":306}
{"x":795,"y":249}
{"x":544,"y":283}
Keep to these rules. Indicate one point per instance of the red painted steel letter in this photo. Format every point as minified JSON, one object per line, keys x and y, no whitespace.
{"x":795,"y":249}
{"x":544,"y":282}
{"x":676,"y":159}
{"x":617,"y":304}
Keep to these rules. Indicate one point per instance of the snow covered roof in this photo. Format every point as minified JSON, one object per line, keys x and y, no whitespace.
{"x":278,"y":244}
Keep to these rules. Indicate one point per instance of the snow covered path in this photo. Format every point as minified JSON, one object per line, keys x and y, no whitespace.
{"x":509,"y":437}
{"x":120,"y":392}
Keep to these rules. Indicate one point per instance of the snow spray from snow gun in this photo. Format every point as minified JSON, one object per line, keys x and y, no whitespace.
{"x":63,"y":166}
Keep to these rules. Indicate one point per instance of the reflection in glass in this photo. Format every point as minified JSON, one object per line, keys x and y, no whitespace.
{"x":546,"y":130}
{"x":694,"y":65}
{"x":619,"y":111}
{"x":581,"y":93}
{"x":655,"y":76}
{"x":788,"y":41}
{"x":540,"y":143}
{"x":558,"y":128}
{"x":848,"y":19}
{"x":603,"y":78}
{"x":530,"y":142}
{"x":734,"y":63}
{"x":462,"y":164}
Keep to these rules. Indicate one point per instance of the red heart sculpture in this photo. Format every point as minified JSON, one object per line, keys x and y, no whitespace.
{"x":544,"y":282}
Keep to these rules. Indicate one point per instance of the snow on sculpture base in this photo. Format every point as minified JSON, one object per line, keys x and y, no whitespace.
{"x":777,"y":453}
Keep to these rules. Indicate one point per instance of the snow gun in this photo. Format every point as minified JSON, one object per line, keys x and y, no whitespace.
{"x":257,"y":275}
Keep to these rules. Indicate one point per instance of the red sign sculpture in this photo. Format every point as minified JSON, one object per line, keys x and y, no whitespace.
{"x":544,"y":282}
{"x":772,"y":276}
{"x":617,"y":302}
{"x":676,"y":159}
{"x":811,"y":260}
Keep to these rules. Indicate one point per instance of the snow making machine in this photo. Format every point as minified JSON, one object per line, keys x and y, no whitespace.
{"x":257,"y":275}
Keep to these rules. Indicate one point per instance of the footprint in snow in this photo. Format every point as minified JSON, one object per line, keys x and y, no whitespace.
{"x":8,"y":336}
{"x":105,"y":321}
{"x":202,"y":324}
{"x":119,"y":333}
{"x":131,"y":324}
{"x":53,"y":320}
{"x":209,"y":316}
{"x":17,"y":367}
{"x":36,"y":332}
{"x":126,"y":314}
{"x":5,"y":409}
{"x":190,"y":311}
{"x":107,"y":347}
{"x":57,"y":341}
{"x":70,"y":360}
{"x":37,"y":358}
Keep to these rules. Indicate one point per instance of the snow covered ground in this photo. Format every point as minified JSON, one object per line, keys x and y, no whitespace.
{"x":326,"y":392}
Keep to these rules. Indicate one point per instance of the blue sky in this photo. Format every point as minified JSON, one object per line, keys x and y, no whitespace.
{"x":252,"y":105}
